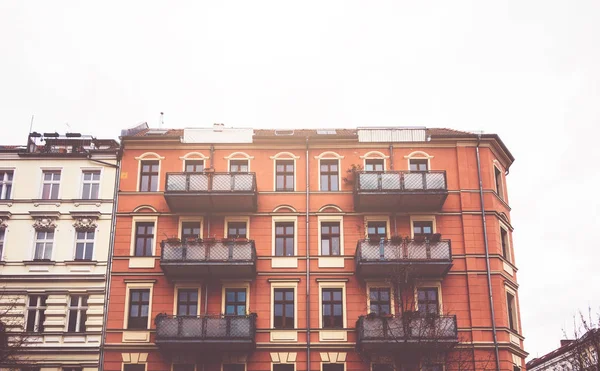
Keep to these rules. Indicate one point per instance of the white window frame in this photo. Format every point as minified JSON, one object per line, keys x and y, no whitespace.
{"x":79,"y":308}
{"x":426,"y":284}
{"x":238,"y":156}
{"x":4,"y":182}
{"x":374,"y":155}
{"x":333,"y":285}
{"x":284,"y":285}
{"x":53,"y":183}
{"x":85,"y":242}
{"x":143,"y":219}
{"x":233,"y":285}
{"x":186,"y":286}
{"x":329,"y":155}
{"x":284,"y":219}
{"x":422,"y":218}
{"x":377,"y":218}
{"x":91,"y":182}
{"x":517,"y":329}
{"x":2,"y":243}
{"x":148,"y":156}
{"x":509,"y":254}
{"x":242,"y":219}
{"x":418,"y":155}
{"x":380,"y":285}
{"x":285,"y":156}
{"x":185,"y":219}
{"x":330,"y":219}
{"x":38,"y":308}
{"x":138,"y":286}
{"x":45,"y":241}
{"x":500,"y":192}
{"x":193,"y":156}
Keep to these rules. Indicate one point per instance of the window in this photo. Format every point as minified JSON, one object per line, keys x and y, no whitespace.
{"x":498,"y":179}
{"x":380,"y":300}
{"x":329,"y":175}
{"x":383,"y":367}
{"x":235,"y":302}
{"x":134,"y":367}
{"x":182,"y":367}
{"x":149,"y":176}
{"x":512,"y":312}
{"x":422,"y":228}
{"x":378,"y":229}
{"x":190,"y":230}
{"x":284,"y":239}
{"x":236,"y":230}
{"x":284,"y":175}
{"x":235,"y":367}
{"x":139,"y":303}
{"x":427,"y":300}
{"x":50,"y":185}
{"x":91,"y":185}
{"x":1,"y":243}
{"x":283,"y":367}
{"x":333,"y":316}
{"x":187,"y":302}
{"x":6,"y":179}
{"x":418,"y":165}
{"x":36,"y":313}
{"x":374,"y":165}
{"x":333,"y":367}
{"x":144,"y":238}
{"x":330,"y":238}
{"x":194,"y":166}
{"x":77,"y":313}
{"x":84,"y":245}
{"x":504,"y":242}
{"x":283,"y":317}
{"x":43,"y":245}
{"x":238,"y":166}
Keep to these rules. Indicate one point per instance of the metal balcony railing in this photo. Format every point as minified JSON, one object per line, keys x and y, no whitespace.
{"x":174,"y":251}
{"x":408,"y":328}
{"x":205,"y":328}
{"x":398,"y":181}
{"x":211,"y":182}
{"x":402,"y":250}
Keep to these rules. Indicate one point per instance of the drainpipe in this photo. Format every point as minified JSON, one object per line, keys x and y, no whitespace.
{"x":392,"y":168}
{"x":111,"y":247}
{"x":307,"y":263}
{"x":487,"y":256}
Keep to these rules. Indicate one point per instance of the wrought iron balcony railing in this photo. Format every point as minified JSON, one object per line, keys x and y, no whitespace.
{"x":203,"y":332}
{"x":211,"y":182}
{"x":395,"y":332}
{"x":417,"y":257}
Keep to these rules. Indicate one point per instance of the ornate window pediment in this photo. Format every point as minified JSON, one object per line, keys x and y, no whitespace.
{"x":44,"y":223}
{"x":86,"y":223}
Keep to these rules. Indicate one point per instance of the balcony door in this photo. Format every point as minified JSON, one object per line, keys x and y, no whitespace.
{"x":235,"y":302}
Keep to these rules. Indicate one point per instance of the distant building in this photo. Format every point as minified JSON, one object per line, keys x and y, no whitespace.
{"x":578,"y":355}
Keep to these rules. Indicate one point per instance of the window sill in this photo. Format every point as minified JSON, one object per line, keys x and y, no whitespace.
{"x":39,"y":262}
{"x":81,"y":262}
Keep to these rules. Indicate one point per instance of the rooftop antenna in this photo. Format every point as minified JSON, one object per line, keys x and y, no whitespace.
{"x":161,"y":122}
{"x":31,"y":124}
{"x":68,"y":127}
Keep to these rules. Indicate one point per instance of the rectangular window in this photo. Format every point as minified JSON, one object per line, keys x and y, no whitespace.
{"x":144,"y":238}
{"x":238,"y":166}
{"x":283,"y":311}
{"x":333,"y":367}
{"x":380,"y":300}
{"x":44,"y":241}
{"x":84,"y":245}
{"x":77,"y":313}
{"x":187,"y":302}
{"x":236,"y":230}
{"x":134,"y":367}
{"x":6,"y":179}
{"x":504,"y":241}
{"x":418,"y":165}
{"x":422,"y":228}
{"x":498,"y":179}
{"x":330,"y":238}
{"x":235,"y":302}
{"x":284,"y":175}
{"x":374,"y":165}
{"x":190,"y":230}
{"x":235,"y":367}
{"x":139,"y":304}
{"x":333,"y":316}
{"x":149,"y":176}
{"x":91,"y":185}
{"x":329,"y":175}
{"x":194,"y":166}
{"x":36,"y":313}
{"x":282,"y":367}
{"x":428,"y":302}
{"x":512,"y":313}
{"x":284,"y":239}
{"x":50,"y":185}
{"x":1,"y":243}
{"x":377,"y":229}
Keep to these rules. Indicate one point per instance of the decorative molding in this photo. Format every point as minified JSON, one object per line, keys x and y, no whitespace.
{"x":4,"y":216}
{"x":45,"y":223}
{"x":284,"y":156}
{"x":238,"y":155}
{"x":150,"y":156}
{"x":329,"y":155}
{"x":86,"y":223}
{"x":374,"y":154}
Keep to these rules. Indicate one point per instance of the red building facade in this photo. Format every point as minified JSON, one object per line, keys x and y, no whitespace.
{"x":332,"y":250}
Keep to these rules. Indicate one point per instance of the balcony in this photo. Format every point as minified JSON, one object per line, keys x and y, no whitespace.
{"x":410,"y":333}
{"x":415,"y":258}
{"x":400,"y":191}
{"x":205,"y":333}
{"x":200,"y":192}
{"x":208,"y":259}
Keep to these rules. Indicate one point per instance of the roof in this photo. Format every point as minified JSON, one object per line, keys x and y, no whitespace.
{"x":561,"y":350}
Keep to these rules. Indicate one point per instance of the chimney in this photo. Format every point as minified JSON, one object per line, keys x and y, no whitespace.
{"x":565,"y":342}
{"x":218,"y":126}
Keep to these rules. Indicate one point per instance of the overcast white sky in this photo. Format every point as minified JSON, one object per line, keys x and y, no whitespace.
{"x":527,"y":70}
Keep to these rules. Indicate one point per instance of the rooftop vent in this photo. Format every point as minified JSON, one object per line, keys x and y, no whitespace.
{"x":326,"y":132}
{"x":284,"y":132}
